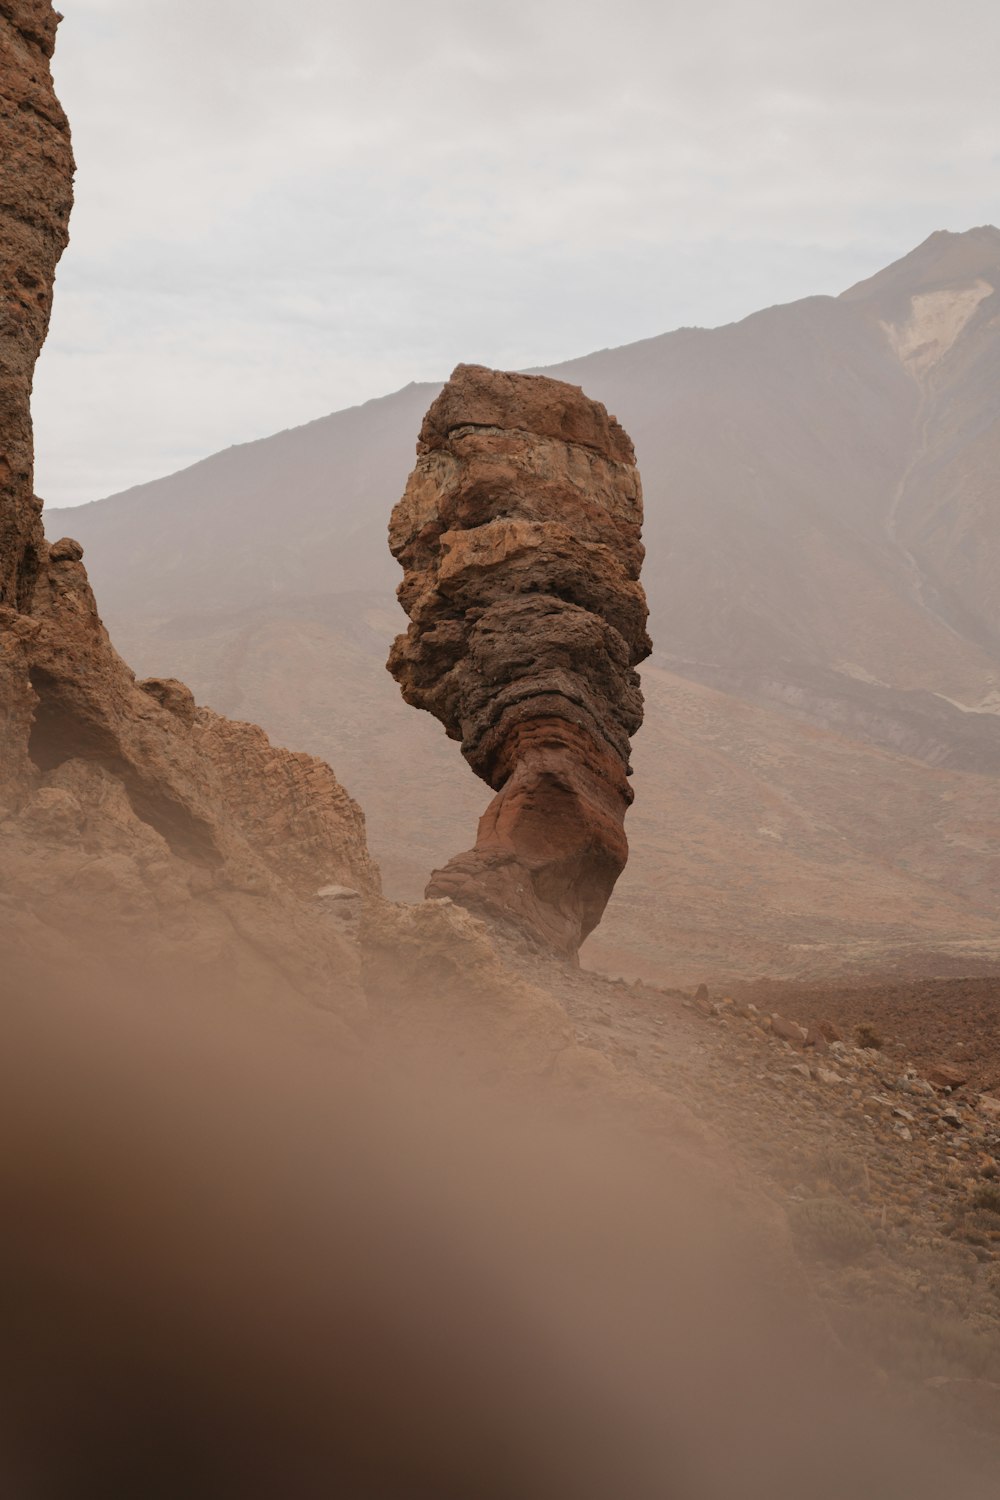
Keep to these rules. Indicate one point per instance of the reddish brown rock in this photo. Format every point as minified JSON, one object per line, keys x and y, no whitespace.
{"x":36,"y":192}
{"x":131,"y":823}
{"x":132,"y":820}
{"x":299,"y":820}
{"x":947,"y":1076}
{"x":788,"y":1031}
{"x":520,"y":539}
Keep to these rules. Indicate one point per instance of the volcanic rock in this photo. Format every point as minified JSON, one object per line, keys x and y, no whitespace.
{"x":36,"y":191}
{"x":947,"y":1076}
{"x":788,"y":1031}
{"x":519,"y":535}
{"x":131,"y":822}
{"x":816,"y":1039}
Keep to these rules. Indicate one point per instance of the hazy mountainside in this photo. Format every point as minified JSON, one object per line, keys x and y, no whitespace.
{"x":819,"y":479}
{"x":819,"y":774}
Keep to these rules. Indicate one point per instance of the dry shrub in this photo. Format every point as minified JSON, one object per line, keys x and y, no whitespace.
{"x":842,"y":1170}
{"x":920,"y":1344}
{"x":978,"y":1222}
{"x":868,"y":1035}
{"x":987,"y":1199}
{"x":830,"y":1229}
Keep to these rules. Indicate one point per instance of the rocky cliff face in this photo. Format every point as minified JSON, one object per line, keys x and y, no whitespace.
{"x":36,"y":193}
{"x":520,"y":539}
{"x":128,"y":817}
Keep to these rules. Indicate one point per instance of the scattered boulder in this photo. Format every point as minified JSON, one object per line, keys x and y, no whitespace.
{"x":176,"y":697}
{"x":65,"y":550}
{"x":788,"y":1031}
{"x":946,"y":1076}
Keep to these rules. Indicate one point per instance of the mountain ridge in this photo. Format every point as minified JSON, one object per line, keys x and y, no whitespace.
{"x":823,"y":544}
{"x":850,"y":293}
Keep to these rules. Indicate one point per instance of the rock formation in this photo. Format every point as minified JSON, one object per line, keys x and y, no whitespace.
{"x":130,"y":820}
{"x":520,"y":539}
{"x":36,"y":193}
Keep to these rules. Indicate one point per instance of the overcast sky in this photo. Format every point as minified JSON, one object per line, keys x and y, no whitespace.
{"x":287,"y":208}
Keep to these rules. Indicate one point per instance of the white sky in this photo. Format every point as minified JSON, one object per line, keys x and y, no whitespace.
{"x":287,"y":208}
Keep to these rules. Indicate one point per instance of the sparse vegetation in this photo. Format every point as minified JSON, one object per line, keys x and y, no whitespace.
{"x":830,"y":1229}
{"x":987,"y":1198}
{"x":842,"y":1170}
{"x":868,"y":1035}
{"x":978,"y":1222}
{"x":905,"y":1338}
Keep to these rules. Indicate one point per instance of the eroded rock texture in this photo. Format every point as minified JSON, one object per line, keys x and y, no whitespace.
{"x":520,"y":539}
{"x":36,"y":192}
{"x":130,"y":820}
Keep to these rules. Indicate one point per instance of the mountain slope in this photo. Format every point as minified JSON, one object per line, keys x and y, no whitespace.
{"x":823,"y":555}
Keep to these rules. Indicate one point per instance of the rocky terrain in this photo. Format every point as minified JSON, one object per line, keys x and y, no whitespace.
{"x":955,"y":1021}
{"x":776,"y":1195}
{"x":133,"y":823}
{"x":520,"y":538}
{"x":816,"y":776}
{"x":877,"y":1151}
{"x":885,"y":1158}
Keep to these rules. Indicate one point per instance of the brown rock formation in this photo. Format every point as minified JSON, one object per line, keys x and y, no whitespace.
{"x":520,"y":539}
{"x":36,"y":193}
{"x":130,"y":821}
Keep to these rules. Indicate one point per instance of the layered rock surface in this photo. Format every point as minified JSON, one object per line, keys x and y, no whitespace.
{"x":131,"y":821}
{"x":520,"y":539}
{"x":36,"y":193}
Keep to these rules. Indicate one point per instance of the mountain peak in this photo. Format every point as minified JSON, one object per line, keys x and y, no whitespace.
{"x":944,"y":259}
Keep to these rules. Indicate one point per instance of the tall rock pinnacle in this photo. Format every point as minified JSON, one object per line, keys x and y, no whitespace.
{"x":520,"y":539}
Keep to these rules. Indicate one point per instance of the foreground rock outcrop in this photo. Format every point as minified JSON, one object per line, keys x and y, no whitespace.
{"x":36,"y":193}
{"x":132,"y":823}
{"x":520,"y":539}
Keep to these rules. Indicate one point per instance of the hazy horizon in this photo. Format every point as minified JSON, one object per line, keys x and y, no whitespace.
{"x":274,"y":223}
